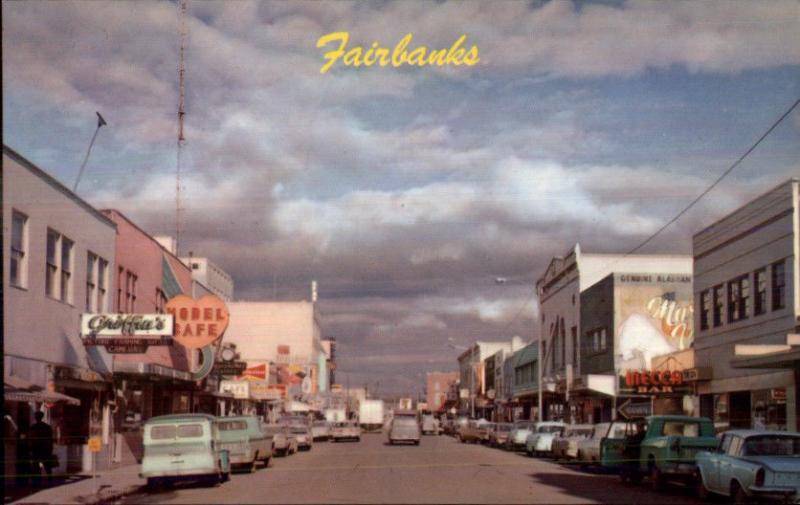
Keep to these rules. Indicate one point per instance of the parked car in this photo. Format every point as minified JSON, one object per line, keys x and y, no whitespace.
{"x":750,"y":465}
{"x":565,"y":445}
{"x":458,"y":423}
{"x":471,"y":432}
{"x":430,"y":426}
{"x":662,"y":447}
{"x":346,"y":430}
{"x":284,"y":442}
{"x":320,"y":430}
{"x":295,"y":419}
{"x":540,"y":440}
{"x":589,"y":448}
{"x":246,"y":441}
{"x":499,"y":434}
{"x":303,"y":436}
{"x":483,"y":432}
{"x":183,"y":447}
{"x":519,"y":434}
{"x":404,"y":428}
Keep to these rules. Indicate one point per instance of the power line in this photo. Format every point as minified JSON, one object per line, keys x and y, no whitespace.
{"x":693,"y":202}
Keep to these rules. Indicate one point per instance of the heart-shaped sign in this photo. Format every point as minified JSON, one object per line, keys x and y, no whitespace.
{"x":198,"y":323}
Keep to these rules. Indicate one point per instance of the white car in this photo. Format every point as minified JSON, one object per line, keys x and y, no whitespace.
{"x":303,"y":435}
{"x":320,"y":430}
{"x":565,"y":446}
{"x":346,"y":430}
{"x":519,"y":435}
{"x":540,"y":440}
{"x":589,"y":448}
{"x":284,"y":442}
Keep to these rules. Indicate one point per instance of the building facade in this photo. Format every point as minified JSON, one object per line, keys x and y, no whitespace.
{"x":559,"y":290}
{"x":474,"y":395}
{"x":59,"y":262}
{"x":524,"y":383}
{"x":747,"y":312}
{"x":211,"y":276}
{"x":437,"y":384}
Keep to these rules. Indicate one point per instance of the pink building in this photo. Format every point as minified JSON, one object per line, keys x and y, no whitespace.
{"x":158,"y":381}
{"x":436,"y":388}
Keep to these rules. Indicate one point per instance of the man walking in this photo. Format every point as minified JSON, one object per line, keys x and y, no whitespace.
{"x":40,"y":440}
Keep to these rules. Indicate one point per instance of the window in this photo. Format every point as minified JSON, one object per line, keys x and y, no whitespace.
{"x":130,"y":292}
{"x":19,"y":246}
{"x":51,"y":277}
{"x":91,"y":261}
{"x":120,"y":283}
{"x":738,"y":299}
{"x":66,"y":269}
{"x":102,"y":285}
{"x":597,"y":339}
{"x":760,"y":284}
{"x":718,"y":305}
{"x":705,"y":308}
{"x":161,"y":302}
{"x":779,"y":285}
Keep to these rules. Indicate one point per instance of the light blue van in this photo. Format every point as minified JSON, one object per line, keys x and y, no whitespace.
{"x":184,"y":447}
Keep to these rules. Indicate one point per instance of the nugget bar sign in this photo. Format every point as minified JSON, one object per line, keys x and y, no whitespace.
{"x":127,"y":333}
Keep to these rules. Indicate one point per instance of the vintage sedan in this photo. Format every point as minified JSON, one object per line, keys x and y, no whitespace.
{"x":183,"y":447}
{"x":519,"y":434}
{"x":404,"y":428}
{"x":346,"y":430}
{"x":589,"y":448}
{"x":284,"y":441}
{"x":430,"y":425}
{"x":565,"y":445}
{"x":246,"y":441}
{"x":303,"y":436}
{"x":540,"y":440}
{"x":751,"y":465}
{"x":321,"y":430}
{"x":498,"y":436}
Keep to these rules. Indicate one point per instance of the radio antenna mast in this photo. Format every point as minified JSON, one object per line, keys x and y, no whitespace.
{"x":181,"y":138}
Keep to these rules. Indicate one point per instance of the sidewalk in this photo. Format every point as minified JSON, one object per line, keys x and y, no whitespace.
{"x":111,"y":484}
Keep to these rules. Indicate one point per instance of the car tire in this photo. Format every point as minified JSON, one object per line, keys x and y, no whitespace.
{"x":738,"y":495}
{"x":358,"y":439}
{"x":416,"y":442}
{"x":700,"y":488}
{"x":656,"y":479}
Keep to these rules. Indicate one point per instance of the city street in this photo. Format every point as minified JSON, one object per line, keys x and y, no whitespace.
{"x":439,"y":470}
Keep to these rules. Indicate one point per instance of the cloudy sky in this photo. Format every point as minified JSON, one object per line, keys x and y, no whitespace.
{"x":405,"y":192}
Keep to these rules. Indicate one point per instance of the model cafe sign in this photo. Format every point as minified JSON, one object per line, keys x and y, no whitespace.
{"x":656,"y":382}
{"x":192,"y":323}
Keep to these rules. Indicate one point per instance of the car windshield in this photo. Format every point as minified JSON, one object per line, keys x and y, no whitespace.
{"x":299,"y":429}
{"x":525,"y":425}
{"x":772,"y":445}
{"x":503,"y":427}
{"x":549,"y":429}
{"x":405,"y":421}
{"x":232,"y":425}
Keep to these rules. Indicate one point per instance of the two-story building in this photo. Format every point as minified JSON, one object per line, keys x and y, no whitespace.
{"x":747,"y":313}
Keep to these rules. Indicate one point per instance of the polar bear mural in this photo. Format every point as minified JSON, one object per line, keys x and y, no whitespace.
{"x":639,"y":340}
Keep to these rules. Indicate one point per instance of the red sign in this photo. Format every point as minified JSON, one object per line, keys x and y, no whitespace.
{"x":257,"y":372}
{"x":198,"y":323}
{"x":653,"y":382}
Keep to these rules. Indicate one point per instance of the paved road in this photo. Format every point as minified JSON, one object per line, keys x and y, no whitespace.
{"x":440,"y":470}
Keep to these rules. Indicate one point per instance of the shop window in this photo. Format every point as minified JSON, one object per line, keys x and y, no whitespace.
{"x":779,"y":285}
{"x":718,"y":301}
{"x":760,"y":299}
{"x":705,"y":308}
{"x":19,"y":250}
{"x":738,"y":299}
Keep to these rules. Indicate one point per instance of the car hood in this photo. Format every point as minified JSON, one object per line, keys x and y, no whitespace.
{"x":777,"y":463}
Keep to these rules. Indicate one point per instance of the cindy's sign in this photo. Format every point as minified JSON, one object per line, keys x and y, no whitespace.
{"x":645,"y":382}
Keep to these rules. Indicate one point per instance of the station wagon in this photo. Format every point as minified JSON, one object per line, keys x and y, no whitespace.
{"x":246,"y":441}
{"x":184,"y":447}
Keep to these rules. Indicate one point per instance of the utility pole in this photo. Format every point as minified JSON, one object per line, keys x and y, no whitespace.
{"x":100,"y":122}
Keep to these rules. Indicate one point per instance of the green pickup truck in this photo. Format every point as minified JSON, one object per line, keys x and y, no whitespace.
{"x":661,"y":447}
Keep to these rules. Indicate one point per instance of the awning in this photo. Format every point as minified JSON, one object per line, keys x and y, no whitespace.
{"x":151,"y":369}
{"x":604,"y":384}
{"x":16,"y":389}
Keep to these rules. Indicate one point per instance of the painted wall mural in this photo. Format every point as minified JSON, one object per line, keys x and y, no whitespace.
{"x":653,"y":315}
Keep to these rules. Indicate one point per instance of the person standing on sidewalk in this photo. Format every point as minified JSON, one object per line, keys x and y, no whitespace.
{"x":40,"y":443}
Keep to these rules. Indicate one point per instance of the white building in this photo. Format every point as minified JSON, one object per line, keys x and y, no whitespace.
{"x":212,"y":277}
{"x":559,"y":290}
{"x":59,"y":262}
{"x":747,"y":313}
{"x":281,"y":334}
{"x":472,"y":374}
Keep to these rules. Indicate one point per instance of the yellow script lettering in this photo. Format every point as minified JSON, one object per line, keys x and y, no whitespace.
{"x":332,"y":56}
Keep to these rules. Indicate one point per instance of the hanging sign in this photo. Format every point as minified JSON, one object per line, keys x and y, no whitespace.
{"x":645,"y":382}
{"x":198,"y":323}
{"x":229,"y":368}
{"x":126,"y":333}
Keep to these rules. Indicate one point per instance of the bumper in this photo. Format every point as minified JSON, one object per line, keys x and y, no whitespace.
{"x":185,"y":474}
{"x":776,"y":493}
{"x":677,"y":470}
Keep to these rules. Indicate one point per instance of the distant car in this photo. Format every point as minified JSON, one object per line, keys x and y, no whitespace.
{"x":484,"y":430}
{"x":471,"y":432}
{"x":457,"y":425}
{"x":404,"y":428}
{"x":430,"y":426}
{"x":498,"y":435}
{"x":540,"y":440}
{"x":303,"y":435}
{"x":320,"y":430}
{"x":295,"y":419}
{"x":284,"y":441}
{"x":183,"y":446}
{"x":751,"y":465}
{"x":565,"y":445}
{"x":345,"y":430}
{"x":519,"y":434}
{"x":246,"y":441}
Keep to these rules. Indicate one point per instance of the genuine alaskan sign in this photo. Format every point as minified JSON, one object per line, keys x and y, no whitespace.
{"x":127,"y":333}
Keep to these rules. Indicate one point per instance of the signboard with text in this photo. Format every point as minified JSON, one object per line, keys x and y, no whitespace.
{"x":126,"y":333}
{"x":653,"y":383}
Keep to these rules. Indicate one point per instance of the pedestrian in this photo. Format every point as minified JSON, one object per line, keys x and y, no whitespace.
{"x":40,"y":444}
